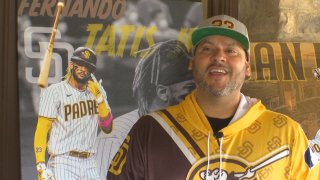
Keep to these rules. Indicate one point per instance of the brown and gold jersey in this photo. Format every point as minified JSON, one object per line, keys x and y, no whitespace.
{"x":178,"y":143}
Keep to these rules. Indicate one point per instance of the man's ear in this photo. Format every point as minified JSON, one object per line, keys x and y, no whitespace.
{"x":162,"y":92}
{"x":248,"y":70}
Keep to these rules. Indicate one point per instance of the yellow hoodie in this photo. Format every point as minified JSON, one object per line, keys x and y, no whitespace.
{"x":257,"y":144}
{"x":178,"y":143}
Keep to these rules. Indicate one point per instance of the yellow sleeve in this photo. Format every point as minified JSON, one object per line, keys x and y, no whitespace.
{"x":315,"y":172}
{"x":105,"y":118}
{"x":40,"y":138}
{"x":299,"y":167}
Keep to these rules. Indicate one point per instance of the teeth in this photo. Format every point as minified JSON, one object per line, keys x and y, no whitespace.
{"x":218,"y":71}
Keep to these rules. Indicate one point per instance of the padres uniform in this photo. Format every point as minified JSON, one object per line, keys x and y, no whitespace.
{"x":178,"y":143}
{"x":107,"y":145}
{"x":74,"y":129}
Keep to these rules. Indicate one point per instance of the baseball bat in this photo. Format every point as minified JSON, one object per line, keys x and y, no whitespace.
{"x":44,"y":73}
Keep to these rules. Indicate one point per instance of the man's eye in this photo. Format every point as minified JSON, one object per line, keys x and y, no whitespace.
{"x":231,"y":51}
{"x":207,"y":49}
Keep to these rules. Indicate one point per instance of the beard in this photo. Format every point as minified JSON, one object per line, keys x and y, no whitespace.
{"x":80,"y":80}
{"x":233,"y":85}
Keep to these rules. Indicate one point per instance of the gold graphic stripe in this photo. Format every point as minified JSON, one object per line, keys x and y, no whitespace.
{"x":174,"y":137}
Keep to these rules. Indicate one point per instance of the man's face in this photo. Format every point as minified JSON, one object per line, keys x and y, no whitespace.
{"x":178,"y":91}
{"x":219,"y":65}
{"x":80,"y":72}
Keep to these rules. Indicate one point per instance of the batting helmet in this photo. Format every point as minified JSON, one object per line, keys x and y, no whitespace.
{"x":85,"y":56}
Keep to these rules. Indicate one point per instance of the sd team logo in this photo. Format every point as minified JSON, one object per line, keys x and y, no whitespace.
{"x":238,"y":168}
{"x":86,"y":55}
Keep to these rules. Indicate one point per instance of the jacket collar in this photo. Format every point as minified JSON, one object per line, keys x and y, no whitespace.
{"x":248,"y":111}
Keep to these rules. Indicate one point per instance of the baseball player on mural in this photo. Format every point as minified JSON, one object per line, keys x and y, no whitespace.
{"x":161,"y":79}
{"x":216,"y":132}
{"x":71,"y":111}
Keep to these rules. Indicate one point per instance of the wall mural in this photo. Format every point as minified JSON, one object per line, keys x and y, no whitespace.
{"x":126,"y":34}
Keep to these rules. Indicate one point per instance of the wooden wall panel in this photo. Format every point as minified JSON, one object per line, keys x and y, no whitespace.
{"x":214,"y":7}
{"x":9,"y":119}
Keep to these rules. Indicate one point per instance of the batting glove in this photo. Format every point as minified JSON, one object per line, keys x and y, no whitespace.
{"x":94,"y":88}
{"x":104,"y":93}
{"x":44,"y":173}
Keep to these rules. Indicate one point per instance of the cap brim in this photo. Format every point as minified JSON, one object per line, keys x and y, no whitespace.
{"x":204,"y":32}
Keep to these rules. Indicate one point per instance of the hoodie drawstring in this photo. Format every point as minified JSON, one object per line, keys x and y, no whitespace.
{"x":220,"y":151}
{"x":208,"y":150}
{"x":219,"y":137}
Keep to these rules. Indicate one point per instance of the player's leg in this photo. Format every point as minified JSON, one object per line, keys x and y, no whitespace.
{"x":64,"y":167}
{"x":89,"y":170}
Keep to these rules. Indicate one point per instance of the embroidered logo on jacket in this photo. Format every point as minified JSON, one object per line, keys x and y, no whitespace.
{"x":238,"y":168}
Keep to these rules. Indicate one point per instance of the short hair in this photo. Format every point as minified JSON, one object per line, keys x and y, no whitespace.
{"x":164,"y":63}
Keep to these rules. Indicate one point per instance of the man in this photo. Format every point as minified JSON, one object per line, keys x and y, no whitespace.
{"x":71,"y":111}
{"x":157,"y":84}
{"x":216,"y":132}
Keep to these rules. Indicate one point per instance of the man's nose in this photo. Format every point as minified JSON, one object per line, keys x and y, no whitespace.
{"x":218,"y":55}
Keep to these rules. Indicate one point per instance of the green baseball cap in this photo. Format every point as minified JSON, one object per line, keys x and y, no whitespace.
{"x":222,"y":25}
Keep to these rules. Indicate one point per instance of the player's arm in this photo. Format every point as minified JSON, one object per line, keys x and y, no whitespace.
{"x":129,"y":162}
{"x":40,"y":144}
{"x":40,"y":138}
{"x":105,"y":116}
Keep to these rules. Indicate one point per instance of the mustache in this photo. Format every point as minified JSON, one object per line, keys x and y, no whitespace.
{"x":77,"y":67}
{"x":217,"y":64}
